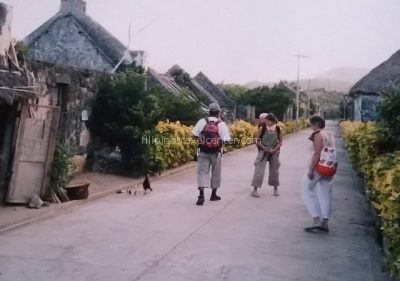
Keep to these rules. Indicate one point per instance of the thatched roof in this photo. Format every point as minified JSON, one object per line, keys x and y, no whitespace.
{"x":13,"y":87}
{"x":106,"y":43}
{"x":183,"y":79}
{"x":168,"y":83}
{"x":163,"y":80}
{"x":223,"y":100}
{"x":383,"y":78}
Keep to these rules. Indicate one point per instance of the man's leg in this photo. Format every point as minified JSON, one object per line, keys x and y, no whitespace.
{"x":203,"y":175}
{"x":216,"y":162}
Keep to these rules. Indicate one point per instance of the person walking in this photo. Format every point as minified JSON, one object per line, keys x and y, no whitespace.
{"x":211,"y":133}
{"x":269,"y":142}
{"x":317,"y":189}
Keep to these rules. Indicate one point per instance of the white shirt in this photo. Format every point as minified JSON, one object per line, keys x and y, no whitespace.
{"x":223,"y":131}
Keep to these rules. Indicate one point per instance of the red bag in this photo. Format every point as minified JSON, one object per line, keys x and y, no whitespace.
{"x":209,"y":139}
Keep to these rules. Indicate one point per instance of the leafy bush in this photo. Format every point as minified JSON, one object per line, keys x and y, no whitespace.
{"x":172,"y":145}
{"x":267,"y":99}
{"x":242,"y":134}
{"x":121,"y":114}
{"x":59,"y":173}
{"x":388,"y":112}
{"x":124,"y":113}
{"x":366,"y":147}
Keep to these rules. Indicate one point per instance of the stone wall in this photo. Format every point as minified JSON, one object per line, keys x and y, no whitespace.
{"x":73,"y":91}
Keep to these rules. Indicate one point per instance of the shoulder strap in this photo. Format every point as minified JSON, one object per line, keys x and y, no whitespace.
{"x":264,"y":128}
{"x":329,"y":140}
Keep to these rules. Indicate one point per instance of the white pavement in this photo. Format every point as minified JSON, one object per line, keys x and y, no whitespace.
{"x":165,"y":237}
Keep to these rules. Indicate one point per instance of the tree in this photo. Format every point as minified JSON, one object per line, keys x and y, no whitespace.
{"x":388,"y":115}
{"x":234,"y":91}
{"x":124,"y":113}
{"x":178,"y":107}
{"x":267,"y":99}
{"x":121,"y":114}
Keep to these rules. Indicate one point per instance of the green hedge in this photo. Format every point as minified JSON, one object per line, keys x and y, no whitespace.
{"x":382,"y":176}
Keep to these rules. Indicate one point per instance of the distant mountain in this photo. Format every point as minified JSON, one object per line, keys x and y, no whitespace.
{"x":256,"y":84}
{"x":337,"y":79}
{"x":348,"y":74}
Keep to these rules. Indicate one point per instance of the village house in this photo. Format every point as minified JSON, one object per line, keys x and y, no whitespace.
{"x":68,"y":54}
{"x":25,"y":139}
{"x":368,"y":91}
{"x":71,"y":37}
{"x":204,"y":90}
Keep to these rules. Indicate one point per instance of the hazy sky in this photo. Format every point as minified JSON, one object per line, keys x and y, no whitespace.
{"x":241,"y":40}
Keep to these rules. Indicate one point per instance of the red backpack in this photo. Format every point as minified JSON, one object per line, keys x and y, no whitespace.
{"x":209,"y":139}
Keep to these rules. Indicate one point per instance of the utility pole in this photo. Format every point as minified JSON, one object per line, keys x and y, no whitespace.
{"x":299,"y":56}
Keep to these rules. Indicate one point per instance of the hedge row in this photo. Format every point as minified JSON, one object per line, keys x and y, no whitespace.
{"x":172,"y":144}
{"x":382,"y":177}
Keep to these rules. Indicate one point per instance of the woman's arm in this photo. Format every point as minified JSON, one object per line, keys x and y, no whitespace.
{"x":278,"y":144}
{"x":257,"y":139}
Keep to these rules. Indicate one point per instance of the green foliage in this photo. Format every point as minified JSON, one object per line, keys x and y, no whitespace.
{"x":121,"y":114}
{"x":59,"y":172}
{"x":21,"y":50}
{"x":178,"y":107}
{"x":235,"y":92}
{"x":172,"y":145}
{"x":242,"y":134}
{"x":267,"y":99}
{"x":388,"y":112}
{"x":367,"y":147}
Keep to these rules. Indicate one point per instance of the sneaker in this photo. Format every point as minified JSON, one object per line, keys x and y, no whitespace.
{"x":255,"y":194}
{"x":215,"y":197}
{"x":276,"y":192}
{"x":200,"y":201}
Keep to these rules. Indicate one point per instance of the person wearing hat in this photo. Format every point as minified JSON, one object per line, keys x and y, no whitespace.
{"x":269,"y":142}
{"x":210,"y":132}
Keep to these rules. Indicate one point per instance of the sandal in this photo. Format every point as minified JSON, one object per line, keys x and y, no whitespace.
{"x":312,"y":229}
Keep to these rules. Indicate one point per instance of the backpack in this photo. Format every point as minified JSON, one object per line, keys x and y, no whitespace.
{"x":209,"y":139}
{"x":327,"y":164}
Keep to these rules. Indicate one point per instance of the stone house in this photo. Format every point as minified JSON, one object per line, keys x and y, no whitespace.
{"x":68,"y":55}
{"x":368,"y":91}
{"x":73,"y":38}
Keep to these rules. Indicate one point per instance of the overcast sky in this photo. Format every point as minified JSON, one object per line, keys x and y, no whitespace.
{"x":241,"y":40}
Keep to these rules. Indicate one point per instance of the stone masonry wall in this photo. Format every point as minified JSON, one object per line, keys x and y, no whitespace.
{"x":73,"y":90}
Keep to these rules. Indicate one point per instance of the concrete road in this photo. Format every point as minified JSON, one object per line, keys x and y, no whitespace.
{"x":165,"y":237}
